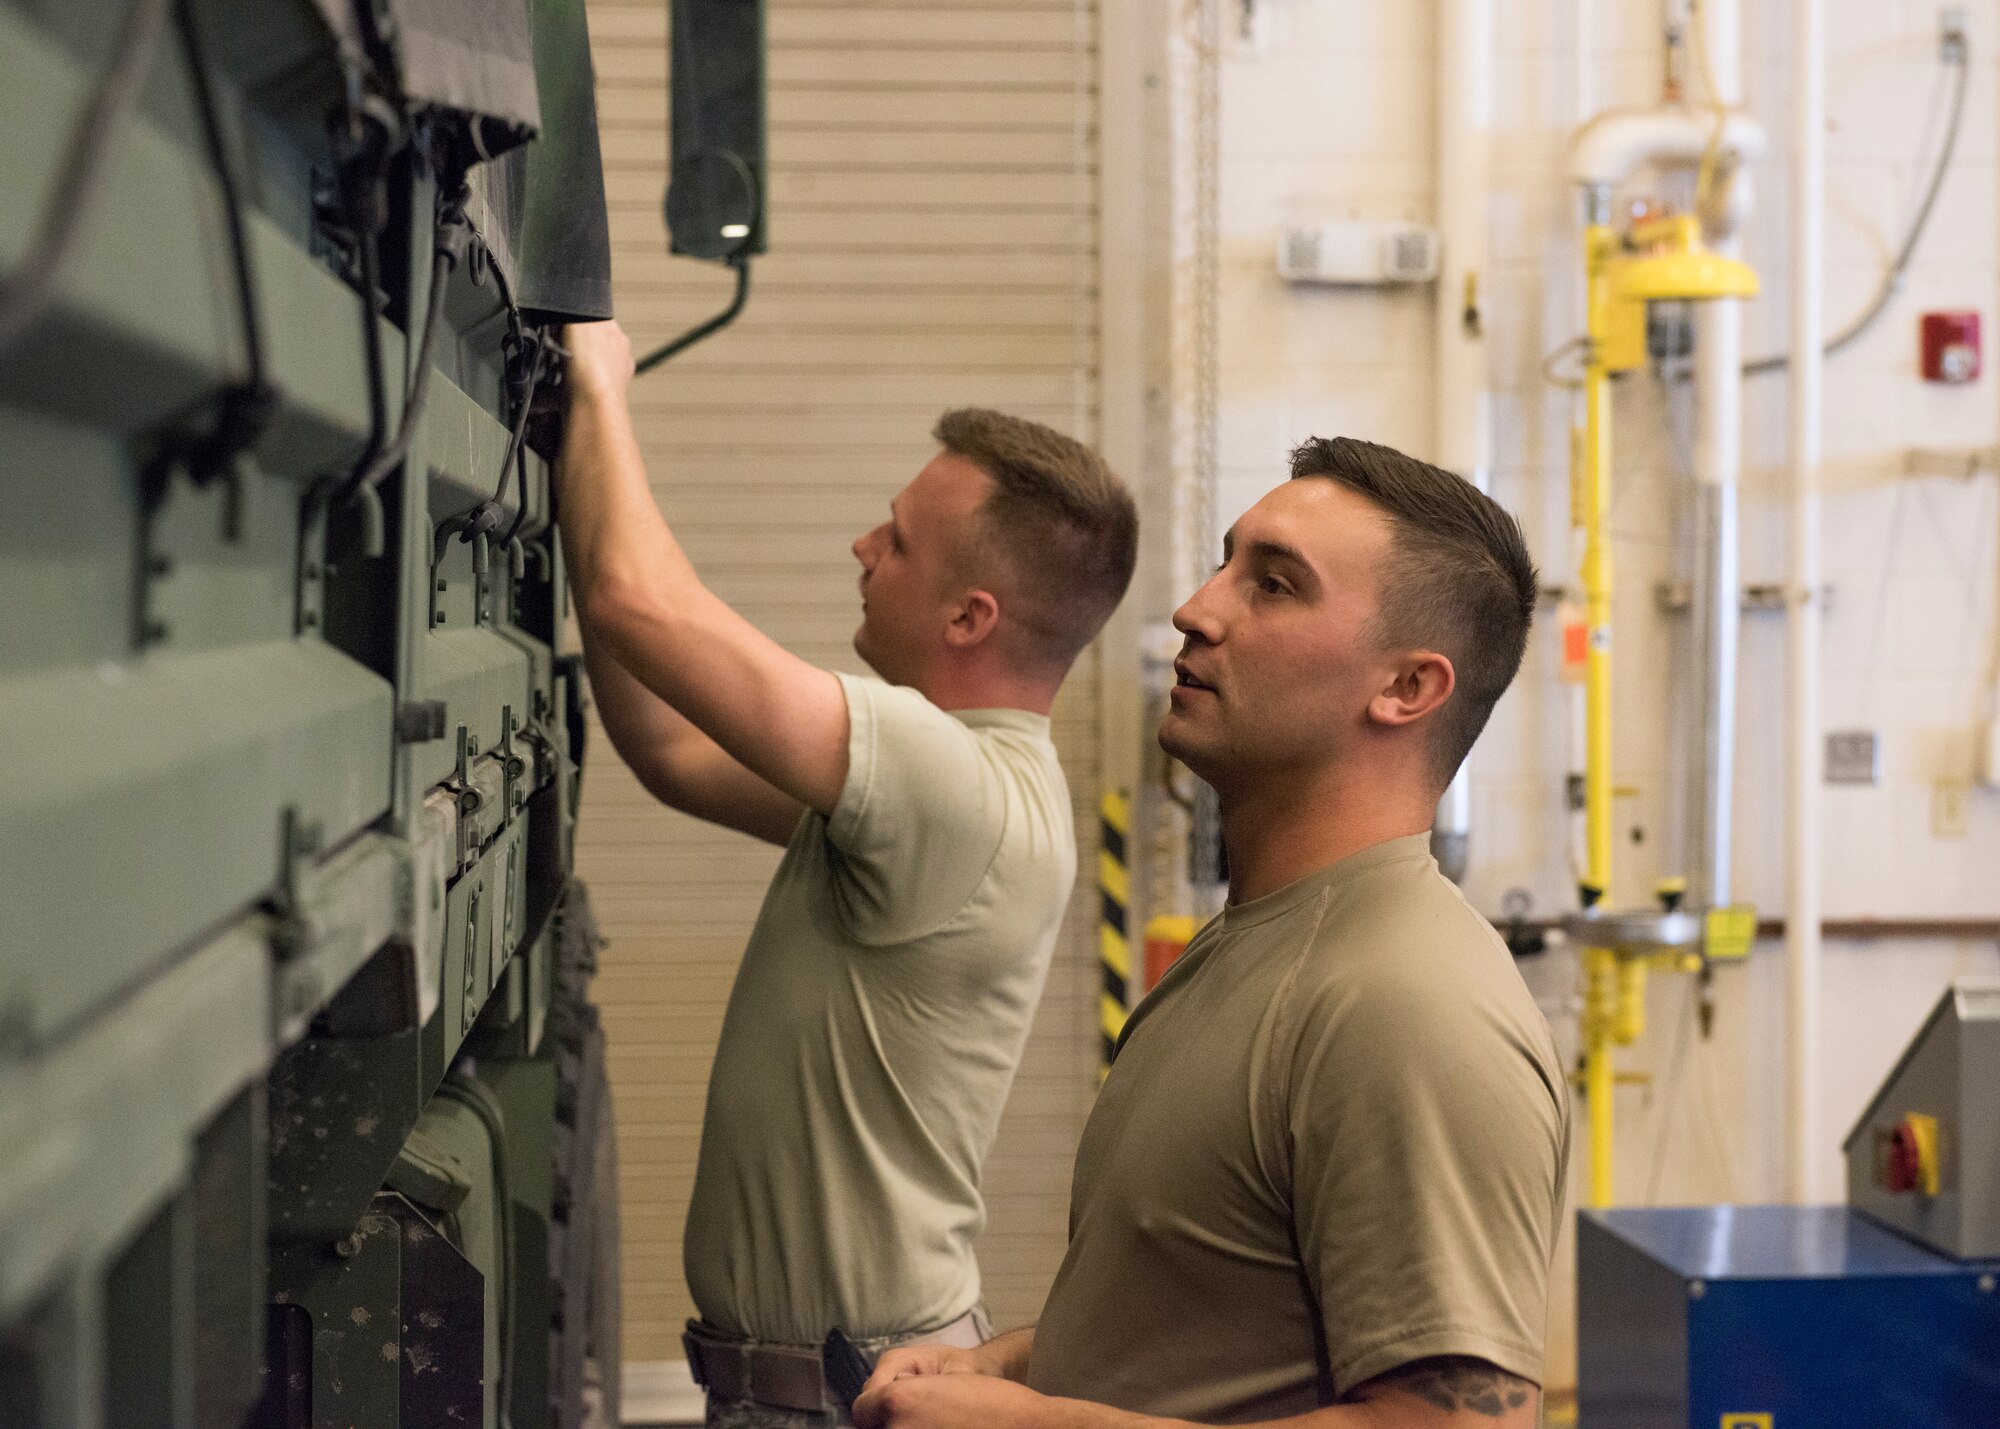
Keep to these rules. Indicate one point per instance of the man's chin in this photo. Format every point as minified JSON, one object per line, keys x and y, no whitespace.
{"x":1180,"y":741}
{"x":865,"y":649}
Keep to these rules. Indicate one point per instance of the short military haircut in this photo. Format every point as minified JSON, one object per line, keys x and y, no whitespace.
{"x":1058,"y":521}
{"x":1458,"y":579}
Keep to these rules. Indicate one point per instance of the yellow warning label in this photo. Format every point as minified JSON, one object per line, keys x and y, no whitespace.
{"x":1924,"y":1131}
{"x":1746,"y":1421}
{"x":1728,"y":933}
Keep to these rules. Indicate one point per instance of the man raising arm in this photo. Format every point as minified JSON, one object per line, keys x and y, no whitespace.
{"x":1325,"y":1175}
{"x":781,"y":721}
{"x":885,"y":996}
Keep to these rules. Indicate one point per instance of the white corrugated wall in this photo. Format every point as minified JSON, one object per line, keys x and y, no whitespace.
{"x":933,"y":236}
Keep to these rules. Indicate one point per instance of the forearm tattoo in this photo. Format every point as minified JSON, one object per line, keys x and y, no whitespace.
{"x":1457,"y":1383}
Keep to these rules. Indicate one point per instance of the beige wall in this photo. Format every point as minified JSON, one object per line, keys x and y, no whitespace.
{"x":933,"y":243}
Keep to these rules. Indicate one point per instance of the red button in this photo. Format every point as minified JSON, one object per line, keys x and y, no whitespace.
{"x":1902,"y":1163}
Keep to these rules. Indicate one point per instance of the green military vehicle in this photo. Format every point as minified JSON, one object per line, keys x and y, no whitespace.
{"x":303,"y":1118}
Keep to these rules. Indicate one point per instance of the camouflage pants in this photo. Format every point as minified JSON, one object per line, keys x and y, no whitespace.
{"x":728,"y":1414}
{"x":765,"y":1416}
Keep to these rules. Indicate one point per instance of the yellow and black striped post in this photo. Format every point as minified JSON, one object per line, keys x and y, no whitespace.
{"x":1114,"y":900}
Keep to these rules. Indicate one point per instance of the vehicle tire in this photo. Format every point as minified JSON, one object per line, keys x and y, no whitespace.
{"x":583,"y":1226}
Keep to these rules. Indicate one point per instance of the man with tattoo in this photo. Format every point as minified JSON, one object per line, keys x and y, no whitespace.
{"x":1323,"y":1181}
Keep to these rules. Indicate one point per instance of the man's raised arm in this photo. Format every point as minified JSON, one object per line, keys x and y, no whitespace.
{"x":678,"y":764}
{"x":642,"y":605}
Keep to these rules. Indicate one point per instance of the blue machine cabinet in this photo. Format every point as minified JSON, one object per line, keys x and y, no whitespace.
{"x":1779,"y":1317}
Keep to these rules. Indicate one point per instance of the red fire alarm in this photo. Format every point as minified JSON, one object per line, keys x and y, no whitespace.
{"x":1950,"y":345}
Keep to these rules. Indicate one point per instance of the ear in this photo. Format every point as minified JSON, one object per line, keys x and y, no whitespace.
{"x":1423,"y":681}
{"x":973,"y":619}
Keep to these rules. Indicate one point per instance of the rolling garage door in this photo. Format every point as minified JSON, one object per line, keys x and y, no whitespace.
{"x":933,"y":243}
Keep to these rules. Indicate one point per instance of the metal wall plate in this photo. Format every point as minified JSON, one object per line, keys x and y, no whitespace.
{"x":1854,"y":756}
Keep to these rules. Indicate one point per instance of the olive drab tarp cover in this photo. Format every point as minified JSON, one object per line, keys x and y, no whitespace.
{"x":539,"y":203}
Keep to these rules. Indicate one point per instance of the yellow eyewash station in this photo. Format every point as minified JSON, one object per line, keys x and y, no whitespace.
{"x":1655,"y":260}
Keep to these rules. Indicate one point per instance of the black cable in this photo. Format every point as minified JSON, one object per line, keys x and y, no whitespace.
{"x":232,"y":194}
{"x":741,"y":263}
{"x":27,"y":291}
{"x":515,"y":464}
{"x":515,"y":433}
{"x":1892,"y":280}
{"x":371,"y":341}
{"x":365,"y":131}
{"x":358,"y":188}
{"x":391,"y":456}
{"x":493,"y":266}
{"x":246,"y":408}
{"x":485,"y":518}
{"x":520,"y":387}
{"x":518,"y":342}
{"x":450,"y":233}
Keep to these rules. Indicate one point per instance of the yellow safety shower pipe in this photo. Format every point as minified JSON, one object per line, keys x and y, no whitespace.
{"x":1661,"y":259}
{"x":1591,"y":501}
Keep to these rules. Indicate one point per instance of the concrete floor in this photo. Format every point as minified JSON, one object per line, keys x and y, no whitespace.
{"x":660,"y":1393}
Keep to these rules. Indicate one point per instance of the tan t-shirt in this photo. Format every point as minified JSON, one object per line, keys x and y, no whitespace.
{"x":876,"y":1022}
{"x":1332,"y":1143}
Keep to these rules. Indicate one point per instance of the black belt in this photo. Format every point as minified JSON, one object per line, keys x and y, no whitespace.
{"x":783,"y":1376}
{"x":747,"y":1371}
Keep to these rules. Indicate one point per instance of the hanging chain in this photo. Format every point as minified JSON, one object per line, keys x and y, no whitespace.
{"x":1205,"y":835}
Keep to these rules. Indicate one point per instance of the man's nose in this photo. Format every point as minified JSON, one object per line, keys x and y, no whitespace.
{"x":864,"y":545}
{"x":1198,"y":616}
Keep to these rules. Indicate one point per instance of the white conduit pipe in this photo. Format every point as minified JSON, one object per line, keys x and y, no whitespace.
{"x":1583,"y":54}
{"x":1718,"y":580}
{"x":1612,"y":144}
{"x":1808,"y":335}
{"x":1462,"y":439}
{"x":1607,"y":150}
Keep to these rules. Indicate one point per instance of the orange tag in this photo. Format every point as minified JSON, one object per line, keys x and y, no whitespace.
{"x":1576,"y":641}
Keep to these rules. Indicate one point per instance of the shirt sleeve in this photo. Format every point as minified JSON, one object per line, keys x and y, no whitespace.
{"x":1427,"y":1155}
{"x":919,"y":819}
